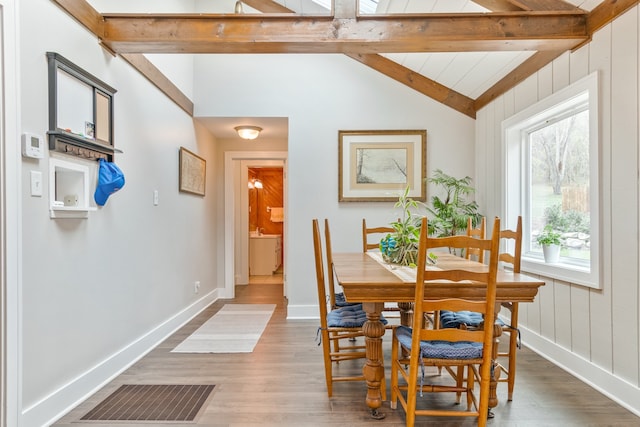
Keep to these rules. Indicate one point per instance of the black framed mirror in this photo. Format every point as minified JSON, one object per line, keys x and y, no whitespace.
{"x":80,"y":111}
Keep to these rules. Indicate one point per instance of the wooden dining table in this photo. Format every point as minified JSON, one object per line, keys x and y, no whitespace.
{"x":365,"y":278}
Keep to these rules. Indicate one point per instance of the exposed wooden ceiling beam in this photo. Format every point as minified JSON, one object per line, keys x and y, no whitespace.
{"x":392,"y":69}
{"x":526,"y":69}
{"x":604,"y":13}
{"x":87,"y":16}
{"x":84,"y":13}
{"x":155,"y":76}
{"x":418,"y":82}
{"x":302,"y":34}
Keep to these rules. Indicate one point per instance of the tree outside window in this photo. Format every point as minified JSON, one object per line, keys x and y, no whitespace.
{"x":560,"y":177}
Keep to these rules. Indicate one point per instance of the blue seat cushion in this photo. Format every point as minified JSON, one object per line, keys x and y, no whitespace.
{"x":441,"y":349}
{"x":453,"y":319}
{"x":351,"y":316}
{"x":341,"y":301}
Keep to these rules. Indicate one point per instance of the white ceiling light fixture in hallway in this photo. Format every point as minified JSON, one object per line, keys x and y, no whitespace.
{"x":248,"y":132}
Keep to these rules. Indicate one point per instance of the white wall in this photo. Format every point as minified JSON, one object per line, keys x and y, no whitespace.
{"x":593,"y":333}
{"x":99,"y":292}
{"x":320,"y":95}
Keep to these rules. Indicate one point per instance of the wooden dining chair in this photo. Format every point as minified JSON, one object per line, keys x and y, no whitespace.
{"x":449,"y":319}
{"x":375,"y":233}
{"x":478,"y":233}
{"x":371,"y":237}
{"x":510,"y":257}
{"x":337,"y":325}
{"x":459,"y":351}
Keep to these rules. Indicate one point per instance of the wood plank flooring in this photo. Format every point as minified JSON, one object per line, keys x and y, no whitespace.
{"x":282,"y":383}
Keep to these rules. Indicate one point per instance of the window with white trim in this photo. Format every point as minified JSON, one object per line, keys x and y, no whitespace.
{"x":551,"y":179}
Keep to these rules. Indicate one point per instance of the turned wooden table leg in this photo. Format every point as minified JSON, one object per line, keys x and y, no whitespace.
{"x":406,"y":313}
{"x":373,"y":370}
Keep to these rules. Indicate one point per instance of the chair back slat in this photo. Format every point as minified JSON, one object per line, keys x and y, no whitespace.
{"x":367,"y":232}
{"x":477,"y":233}
{"x":452,"y":334}
{"x":455,"y":275}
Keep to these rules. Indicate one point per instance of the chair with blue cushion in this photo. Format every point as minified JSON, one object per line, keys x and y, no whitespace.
{"x":510,"y":258}
{"x":338,"y":325}
{"x":468,"y":352}
{"x":454,"y":320}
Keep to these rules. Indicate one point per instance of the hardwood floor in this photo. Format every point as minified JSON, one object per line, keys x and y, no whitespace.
{"x":282,"y":383}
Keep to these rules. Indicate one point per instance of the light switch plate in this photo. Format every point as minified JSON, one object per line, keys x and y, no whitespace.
{"x":36,"y":184}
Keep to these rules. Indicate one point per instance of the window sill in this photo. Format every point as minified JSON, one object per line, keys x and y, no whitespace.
{"x":561,"y":271}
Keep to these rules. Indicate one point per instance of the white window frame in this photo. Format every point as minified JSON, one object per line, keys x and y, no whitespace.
{"x":514,"y":182}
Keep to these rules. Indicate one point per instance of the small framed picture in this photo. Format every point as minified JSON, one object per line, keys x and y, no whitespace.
{"x":89,"y":130}
{"x":192,"y":172}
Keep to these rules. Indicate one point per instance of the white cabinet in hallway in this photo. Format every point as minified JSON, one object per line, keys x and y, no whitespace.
{"x":265,"y":253}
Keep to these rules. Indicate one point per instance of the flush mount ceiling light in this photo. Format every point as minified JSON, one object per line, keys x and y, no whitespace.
{"x":248,"y":132}
{"x":254,"y":183}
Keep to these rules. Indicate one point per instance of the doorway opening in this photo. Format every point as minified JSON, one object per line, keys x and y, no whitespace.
{"x":265,"y":188}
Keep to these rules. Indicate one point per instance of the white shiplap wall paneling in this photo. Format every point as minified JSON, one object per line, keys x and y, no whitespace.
{"x":600,"y":302}
{"x":624,"y":197}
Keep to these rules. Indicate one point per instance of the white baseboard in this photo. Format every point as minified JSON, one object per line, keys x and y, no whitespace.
{"x":302,"y":312}
{"x":622,"y":392}
{"x":54,"y":406}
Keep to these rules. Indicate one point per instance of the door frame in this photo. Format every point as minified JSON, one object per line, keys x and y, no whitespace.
{"x":235,"y":167}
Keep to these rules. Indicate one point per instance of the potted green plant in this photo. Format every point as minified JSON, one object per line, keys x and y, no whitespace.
{"x":449,"y":215}
{"x":401,"y":246}
{"x":550,"y":240}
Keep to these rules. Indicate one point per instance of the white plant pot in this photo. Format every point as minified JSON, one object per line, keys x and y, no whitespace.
{"x":551,"y":253}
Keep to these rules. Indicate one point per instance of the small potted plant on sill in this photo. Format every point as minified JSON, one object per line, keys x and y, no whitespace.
{"x":550,"y":242}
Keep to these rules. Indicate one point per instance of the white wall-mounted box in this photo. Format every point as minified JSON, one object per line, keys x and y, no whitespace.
{"x":69,"y":195}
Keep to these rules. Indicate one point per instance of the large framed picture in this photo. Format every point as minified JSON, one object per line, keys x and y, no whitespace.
{"x":192,"y":173}
{"x":378,"y":165}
